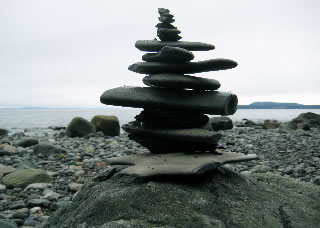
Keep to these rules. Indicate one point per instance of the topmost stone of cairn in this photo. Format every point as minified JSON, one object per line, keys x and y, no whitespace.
{"x":173,"y":125}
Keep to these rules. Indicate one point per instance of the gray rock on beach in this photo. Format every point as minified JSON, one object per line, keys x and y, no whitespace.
{"x":22,"y":178}
{"x":27,"y":142}
{"x":79,"y":127}
{"x":3,"y":132}
{"x":6,"y":149}
{"x":109,"y":125}
{"x":221,"y":123}
{"x":271,"y":124}
{"x":220,"y":199}
{"x":47,"y":149}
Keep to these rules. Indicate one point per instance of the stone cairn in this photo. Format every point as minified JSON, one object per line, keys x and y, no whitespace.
{"x":173,"y":125}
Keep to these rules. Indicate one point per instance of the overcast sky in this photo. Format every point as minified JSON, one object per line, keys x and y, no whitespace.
{"x":67,"y":53}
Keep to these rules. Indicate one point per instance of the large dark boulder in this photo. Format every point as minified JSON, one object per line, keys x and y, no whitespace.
{"x":79,"y":127}
{"x":220,"y":199}
{"x":309,"y":118}
{"x":3,"y":132}
{"x":109,"y":125}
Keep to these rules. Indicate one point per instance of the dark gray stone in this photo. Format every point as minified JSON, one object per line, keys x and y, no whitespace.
{"x":109,"y":125}
{"x":308,"y":118}
{"x":27,"y":142}
{"x":195,"y":135}
{"x":165,"y":25}
{"x":169,"y":54}
{"x":7,"y":224}
{"x":153,"y":45}
{"x":163,"y":11}
{"x":79,"y":127}
{"x":219,"y":199}
{"x":3,"y":132}
{"x":164,"y":19}
{"x":180,"y":81}
{"x":271,"y":124}
{"x":168,"y":34}
{"x":209,"y":102}
{"x":182,"y":68}
{"x":47,"y":149}
{"x":38,"y":202}
{"x":159,"y":118}
{"x":221,"y":123}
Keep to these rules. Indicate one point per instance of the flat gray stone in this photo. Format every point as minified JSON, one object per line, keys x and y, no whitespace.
{"x":183,"y":135}
{"x":165,"y":25}
{"x":153,"y":45}
{"x":169,"y":54}
{"x":182,"y":68}
{"x":180,"y":81}
{"x":147,"y":165}
{"x":165,"y":19}
{"x":206,"y":102}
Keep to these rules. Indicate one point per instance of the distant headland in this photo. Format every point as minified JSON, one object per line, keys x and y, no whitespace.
{"x":276,"y":105}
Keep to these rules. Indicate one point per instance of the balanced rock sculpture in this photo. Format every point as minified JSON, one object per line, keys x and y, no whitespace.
{"x":173,"y":124}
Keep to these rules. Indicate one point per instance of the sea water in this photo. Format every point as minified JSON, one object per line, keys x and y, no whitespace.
{"x":17,"y":120}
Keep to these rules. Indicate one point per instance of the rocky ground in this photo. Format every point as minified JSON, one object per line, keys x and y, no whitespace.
{"x":70,"y":162}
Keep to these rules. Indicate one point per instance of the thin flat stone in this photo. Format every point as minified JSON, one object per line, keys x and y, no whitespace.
{"x":165,"y":19}
{"x":168,"y":34}
{"x":206,"y":102}
{"x":158,"y":146}
{"x":183,"y":135}
{"x":169,"y":54}
{"x":153,"y":45}
{"x":165,"y":25}
{"x":180,"y":81}
{"x":182,"y":68}
{"x":147,"y":165}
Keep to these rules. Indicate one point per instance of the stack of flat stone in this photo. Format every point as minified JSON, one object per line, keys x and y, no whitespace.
{"x":174,"y":105}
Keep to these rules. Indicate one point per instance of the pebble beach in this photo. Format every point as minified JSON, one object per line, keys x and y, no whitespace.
{"x":74,"y":161}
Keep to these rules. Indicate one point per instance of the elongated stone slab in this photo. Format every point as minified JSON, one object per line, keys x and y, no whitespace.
{"x":146,"y":165}
{"x":183,"y":135}
{"x":165,"y":25}
{"x":153,"y":45}
{"x":180,"y":81}
{"x":169,"y":54}
{"x":206,"y":102}
{"x":182,"y":68}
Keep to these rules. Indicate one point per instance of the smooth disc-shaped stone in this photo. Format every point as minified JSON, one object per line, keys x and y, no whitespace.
{"x":206,"y":102}
{"x":180,"y":81}
{"x":182,"y":68}
{"x":165,"y":19}
{"x":169,"y":37}
{"x":165,"y":25}
{"x":153,"y":45}
{"x":168,"y":32}
{"x":146,"y":165}
{"x":169,"y":54}
{"x":196,"y":135}
{"x":158,"y":146}
{"x":166,"y":15}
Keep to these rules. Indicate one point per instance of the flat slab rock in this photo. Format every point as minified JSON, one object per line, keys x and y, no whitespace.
{"x":189,"y":135}
{"x":182,"y":68}
{"x":146,"y":165}
{"x":180,"y":81}
{"x":169,"y":54}
{"x":206,"y":102}
{"x":153,"y":45}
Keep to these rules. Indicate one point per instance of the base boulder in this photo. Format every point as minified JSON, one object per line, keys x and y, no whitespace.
{"x":109,"y":125}
{"x":218,"y":199}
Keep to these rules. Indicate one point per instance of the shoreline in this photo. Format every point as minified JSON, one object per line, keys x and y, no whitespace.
{"x":291,"y":153}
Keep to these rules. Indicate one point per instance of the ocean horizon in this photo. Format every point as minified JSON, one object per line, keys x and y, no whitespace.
{"x":37,"y":119}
